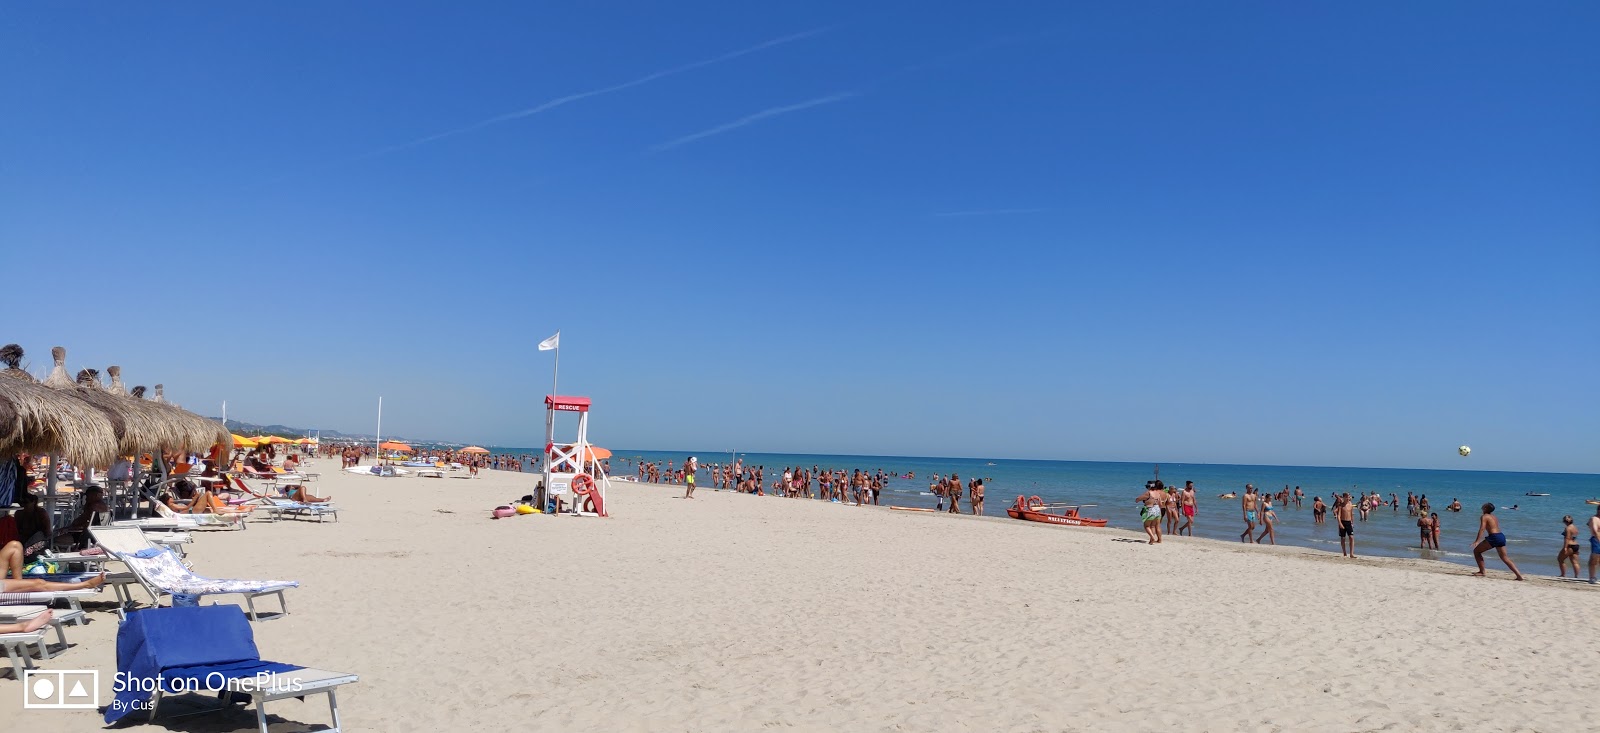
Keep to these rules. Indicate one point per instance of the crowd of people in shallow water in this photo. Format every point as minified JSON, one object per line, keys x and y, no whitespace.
{"x":1164,"y":510}
{"x":856,"y":487}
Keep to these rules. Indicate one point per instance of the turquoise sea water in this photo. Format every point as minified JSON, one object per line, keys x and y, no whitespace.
{"x":1533,"y":529}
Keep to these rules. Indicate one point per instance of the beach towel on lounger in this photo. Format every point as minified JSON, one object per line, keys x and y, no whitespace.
{"x":162,"y":568}
{"x":184,"y":649}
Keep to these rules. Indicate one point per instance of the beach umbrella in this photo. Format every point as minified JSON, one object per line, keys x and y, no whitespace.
{"x":474,"y":449}
{"x":394,"y":445}
{"x":10,"y":421}
{"x":137,"y":427}
{"x":49,"y":422}
{"x":201,"y":432}
{"x":593,"y":453}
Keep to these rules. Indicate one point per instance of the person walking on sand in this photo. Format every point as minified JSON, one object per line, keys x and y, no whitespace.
{"x":1489,"y":535}
{"x":954,"y":490}
{"x":690,"y":467}
{"x":1247,"y":504}
{"x":1170,"y":511}
{"x":1594,"y":545}
{"x":1569,"y":548}
{"x":1150,"y":510}
{"x":1343,"y":513}
{"x":977,"y":497}
{"x":1269,"y":520}
{"x":1188,"y":500}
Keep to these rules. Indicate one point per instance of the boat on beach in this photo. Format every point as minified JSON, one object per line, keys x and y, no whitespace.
{"x":1034,"y":509}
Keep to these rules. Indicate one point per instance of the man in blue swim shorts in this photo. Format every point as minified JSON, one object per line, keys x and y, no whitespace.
{"x":1490,"y":536}
{"x":1594,"y":545}
{"x":1248,"y":504}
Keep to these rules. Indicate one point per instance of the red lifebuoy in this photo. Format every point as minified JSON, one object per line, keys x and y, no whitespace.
{"x":582,"y":484}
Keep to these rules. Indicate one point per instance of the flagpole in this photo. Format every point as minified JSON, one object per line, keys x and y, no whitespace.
{"x":555,"y":379}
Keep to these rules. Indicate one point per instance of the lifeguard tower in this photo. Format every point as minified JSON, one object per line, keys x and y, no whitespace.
{"x":571,"y":471}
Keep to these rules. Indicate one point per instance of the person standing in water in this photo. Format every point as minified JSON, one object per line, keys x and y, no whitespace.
{"x":1489,"y":535}
{"x":1569,"y":548}
{"x":977,"y":497}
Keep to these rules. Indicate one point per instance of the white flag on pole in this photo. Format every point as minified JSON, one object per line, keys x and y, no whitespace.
{"x":554,"y":342}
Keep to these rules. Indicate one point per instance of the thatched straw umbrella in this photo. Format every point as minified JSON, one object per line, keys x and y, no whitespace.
{"x":10,"y":420}
{"x":200,"y":433}
{"x":49,"y":422}
{"x":137,"y":429}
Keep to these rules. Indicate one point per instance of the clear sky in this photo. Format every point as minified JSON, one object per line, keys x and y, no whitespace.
{"x":1341,"y":233}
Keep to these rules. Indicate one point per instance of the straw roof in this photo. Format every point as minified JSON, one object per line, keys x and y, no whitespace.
{"x":199,"y":433}
{"x":51,"y":422}
{"x":10,"y":421}
{"x":141,"y":431}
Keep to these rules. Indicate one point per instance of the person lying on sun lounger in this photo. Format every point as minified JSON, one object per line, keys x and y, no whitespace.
{"x":11,"y":560}
{"x":209,"y":503}
{"x":29,"y":626}
{"x":299,"y":493}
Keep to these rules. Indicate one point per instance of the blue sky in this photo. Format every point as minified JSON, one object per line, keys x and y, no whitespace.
{"x":1305,"y":233}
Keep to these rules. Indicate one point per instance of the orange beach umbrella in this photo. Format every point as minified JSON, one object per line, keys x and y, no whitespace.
{"x":394,"y":445}
{"x":594,"y":453}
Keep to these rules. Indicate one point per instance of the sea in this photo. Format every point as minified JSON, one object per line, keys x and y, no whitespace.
{"x":1532,"y":524}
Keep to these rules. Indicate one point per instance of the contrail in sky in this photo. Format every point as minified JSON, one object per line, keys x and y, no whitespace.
{"x":748,"y":119}
{"x":570,"y":98}
{"x":990,"y":212}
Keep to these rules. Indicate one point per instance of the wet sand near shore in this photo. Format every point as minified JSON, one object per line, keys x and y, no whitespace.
{"x":733,"y":613}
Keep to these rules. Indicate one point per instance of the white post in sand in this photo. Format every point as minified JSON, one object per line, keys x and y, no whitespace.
{"x":377,"y":440}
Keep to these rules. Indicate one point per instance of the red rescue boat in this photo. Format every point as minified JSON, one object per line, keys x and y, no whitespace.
{"x":1034,"y":509}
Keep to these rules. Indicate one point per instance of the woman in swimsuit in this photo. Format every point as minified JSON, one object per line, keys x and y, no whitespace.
{"x":1569,"y":548}
{"x":1435,"y":518}
{"x":1490,"y":536}
{"x":1269,"y":519}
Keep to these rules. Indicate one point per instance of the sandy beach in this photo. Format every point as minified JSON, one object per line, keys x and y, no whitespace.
{"x":736,"y":613}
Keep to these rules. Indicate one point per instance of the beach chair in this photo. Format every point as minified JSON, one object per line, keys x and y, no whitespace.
{"x":161,"y":572}
{"x":207,"y":649}
{"x":279,"y":506}
{"x":59,"y":620}
{"x":16,"y":646}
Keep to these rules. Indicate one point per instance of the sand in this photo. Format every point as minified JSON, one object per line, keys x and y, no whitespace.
{"x":739,"y":613}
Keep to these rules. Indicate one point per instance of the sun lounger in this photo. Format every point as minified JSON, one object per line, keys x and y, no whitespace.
{"x":207,"y":649}
{"x":16,"y":646}
{"x":74,"y":598}
{"x":59,"y":620}
{"x":279,"y":508}
{"x":161,"y":572}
